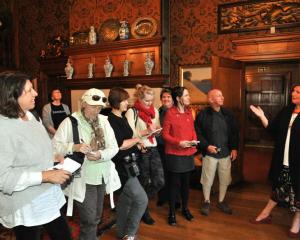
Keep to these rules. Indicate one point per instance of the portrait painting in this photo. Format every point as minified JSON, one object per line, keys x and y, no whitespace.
{"x":197,"y":79}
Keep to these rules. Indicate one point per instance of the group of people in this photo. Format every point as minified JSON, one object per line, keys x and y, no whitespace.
{"x":140,"y":151}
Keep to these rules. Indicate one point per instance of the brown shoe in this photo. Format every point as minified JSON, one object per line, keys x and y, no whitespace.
{"x":223,"y":206}
{"x":293,"y":235}
{"x":205,"y":209}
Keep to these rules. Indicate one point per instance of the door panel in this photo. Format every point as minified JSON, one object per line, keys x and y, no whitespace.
{"x":269,"y":91}
{"x":228,"y":76}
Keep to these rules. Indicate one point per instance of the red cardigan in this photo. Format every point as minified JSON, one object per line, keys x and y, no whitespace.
{"x":178,"y":127}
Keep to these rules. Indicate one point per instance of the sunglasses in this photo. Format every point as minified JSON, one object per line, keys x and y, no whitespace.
{"x":97,"y":98}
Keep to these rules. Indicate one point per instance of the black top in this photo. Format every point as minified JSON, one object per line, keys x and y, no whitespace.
{"x":219,"y":135}
{"x":162,"y":113}
{"x":58,"y":114}
{"x":204,"y":129}
{"x":122,"y":132}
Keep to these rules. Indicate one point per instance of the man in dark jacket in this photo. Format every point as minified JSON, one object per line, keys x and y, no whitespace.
{"x":217,"y":132}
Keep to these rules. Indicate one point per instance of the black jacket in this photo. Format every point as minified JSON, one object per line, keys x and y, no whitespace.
{"x":203,"y":127}
{"x":279,"y":127}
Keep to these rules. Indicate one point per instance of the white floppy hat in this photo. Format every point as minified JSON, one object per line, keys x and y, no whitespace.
{"x":94,"y":97}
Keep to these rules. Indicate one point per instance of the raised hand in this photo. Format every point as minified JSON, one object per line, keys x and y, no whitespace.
{"x":260,"y":113}
{"x":257,"y":111}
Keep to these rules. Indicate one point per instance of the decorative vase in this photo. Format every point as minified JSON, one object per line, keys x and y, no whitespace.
{"x":91,"y":70}
{"x":108,"y":67}
{"x":124,"y":30}
{"x":92,"y":36}
{"x":149,"y":64}
{"x":69,"y":70}
{"x":126,"y":67}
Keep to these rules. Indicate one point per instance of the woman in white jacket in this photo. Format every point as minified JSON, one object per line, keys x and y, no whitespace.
{"x":99,"y":145}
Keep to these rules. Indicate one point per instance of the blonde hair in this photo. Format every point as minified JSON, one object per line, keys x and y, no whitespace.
{"x":142,"y":90}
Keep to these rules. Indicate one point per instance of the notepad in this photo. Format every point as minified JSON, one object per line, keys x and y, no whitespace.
{"x":69,"y":165}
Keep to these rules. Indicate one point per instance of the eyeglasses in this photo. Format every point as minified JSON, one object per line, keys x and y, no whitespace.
{"x":97,"y":98}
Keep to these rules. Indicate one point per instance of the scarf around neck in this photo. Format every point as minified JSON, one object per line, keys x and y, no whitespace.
{"x":146,"y":114}
{"x":98,"y":141}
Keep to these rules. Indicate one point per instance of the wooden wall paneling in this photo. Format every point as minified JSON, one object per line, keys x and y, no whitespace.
{"x":267,"y":47}
{"x":228,"y":76}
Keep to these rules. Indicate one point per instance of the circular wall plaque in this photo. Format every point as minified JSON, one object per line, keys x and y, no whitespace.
{"x":144,"y":27}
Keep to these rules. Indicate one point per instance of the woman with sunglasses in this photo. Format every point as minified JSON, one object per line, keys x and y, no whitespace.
{"x":99,"y":146}
{"x":143,"y":118}
{"x":30,"y":193}
{"x":133,"y":200}
{"x":285,"y":167}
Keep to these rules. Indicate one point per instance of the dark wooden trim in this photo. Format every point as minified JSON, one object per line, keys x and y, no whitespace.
{"x":117,"y":45}
{"x":106,"y":83}
{"x":271,"y":47}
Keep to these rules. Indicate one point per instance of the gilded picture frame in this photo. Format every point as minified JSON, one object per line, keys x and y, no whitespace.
{"x":258,"y":15}
{"x":197,"y":80}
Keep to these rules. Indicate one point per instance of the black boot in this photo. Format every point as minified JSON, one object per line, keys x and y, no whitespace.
{"x":172,"y":219}
{"x":187,"y":214}
{"x":147,"y":218}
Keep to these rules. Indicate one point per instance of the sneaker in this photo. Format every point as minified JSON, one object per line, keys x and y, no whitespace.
{"x":205,"y":209}
{"x":223,"y":206}
{"x":127,"y":237}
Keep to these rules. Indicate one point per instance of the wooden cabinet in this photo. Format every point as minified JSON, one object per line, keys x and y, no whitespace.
{"x":135,"y":50}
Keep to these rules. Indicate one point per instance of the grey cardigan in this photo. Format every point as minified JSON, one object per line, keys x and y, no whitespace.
{"x":25,"y":147}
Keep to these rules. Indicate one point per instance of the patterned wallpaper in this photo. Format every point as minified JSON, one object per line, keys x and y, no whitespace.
{"x":39,"y":21}
{"x":85,"y":13}
{"x":193,"y":34}
{"x":193,"y":26}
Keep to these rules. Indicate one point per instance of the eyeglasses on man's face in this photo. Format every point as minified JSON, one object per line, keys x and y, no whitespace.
{"x":97,"y":98}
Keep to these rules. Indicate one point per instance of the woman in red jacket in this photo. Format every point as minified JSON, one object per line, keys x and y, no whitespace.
{"x":180,"y":145}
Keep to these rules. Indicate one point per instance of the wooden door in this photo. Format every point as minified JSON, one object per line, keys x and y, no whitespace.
{"x":228,"y":76}
{"x":270,"y":92}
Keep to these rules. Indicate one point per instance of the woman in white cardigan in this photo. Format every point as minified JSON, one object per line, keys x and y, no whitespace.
{"x":99,"y":145}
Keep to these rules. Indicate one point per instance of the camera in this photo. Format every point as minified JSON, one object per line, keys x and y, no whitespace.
{"x":131,"y":166}
{"x":218,"y":150}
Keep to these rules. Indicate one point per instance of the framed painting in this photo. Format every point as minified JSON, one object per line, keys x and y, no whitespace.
{"x":197,"y":80}
{"x":258,"y":15}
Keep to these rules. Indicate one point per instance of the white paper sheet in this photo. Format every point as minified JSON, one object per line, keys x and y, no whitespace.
{"x":68,"y":165}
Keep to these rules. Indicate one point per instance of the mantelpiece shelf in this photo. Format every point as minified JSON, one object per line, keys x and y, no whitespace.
{"x":115,"y":45}
{"x":126,"y":82}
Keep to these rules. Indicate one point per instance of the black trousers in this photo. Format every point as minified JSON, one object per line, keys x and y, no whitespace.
{"x":58,"y":229}
{"x":179,"y":181}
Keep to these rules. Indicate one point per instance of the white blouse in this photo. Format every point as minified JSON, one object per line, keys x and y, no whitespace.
{"x":287,"y":141}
